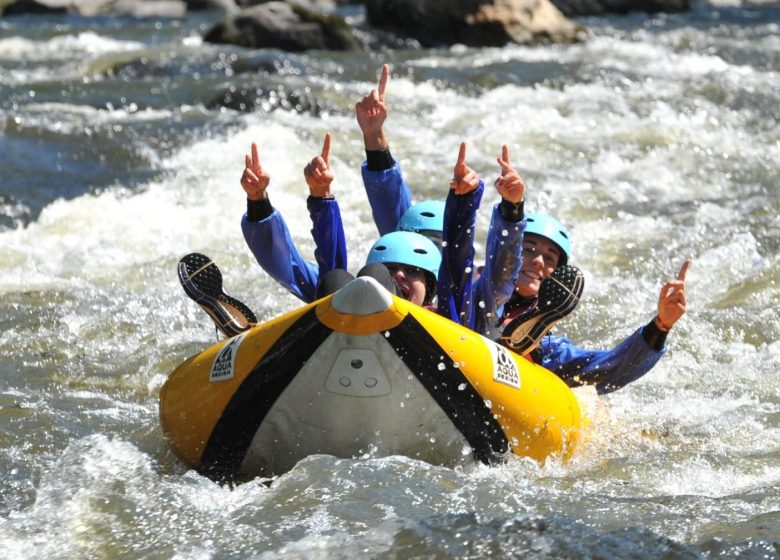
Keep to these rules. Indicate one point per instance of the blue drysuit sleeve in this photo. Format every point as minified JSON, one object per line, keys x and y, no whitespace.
{"x":328,"y":234}
{"x":609,"y":370}
{"x":388,"y":194}
{"x":456,"y":272}
{"x":273,"y":248}
{"x":503,"y":258}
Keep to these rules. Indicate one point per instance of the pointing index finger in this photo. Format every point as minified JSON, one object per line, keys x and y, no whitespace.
{"x":383,"y":81}
{"x":326,"y":148}
{"x":462,"y":154}
{"x":503,"y":161}
{"x":255,"y":156}
{"x":684,"y":270}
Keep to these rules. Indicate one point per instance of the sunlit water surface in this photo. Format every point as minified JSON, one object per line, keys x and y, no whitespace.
{"x":654,"y":141}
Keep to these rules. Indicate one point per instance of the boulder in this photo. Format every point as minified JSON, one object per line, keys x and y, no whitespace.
{"x":474,"y":22}
{"x":25,"y":7}
{"x":284,"y":26}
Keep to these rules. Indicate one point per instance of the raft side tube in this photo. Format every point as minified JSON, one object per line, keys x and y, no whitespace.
{"x":194,"y":396}
{"x":538,"y":413}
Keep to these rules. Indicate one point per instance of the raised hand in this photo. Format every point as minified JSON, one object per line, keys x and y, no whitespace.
{"x":671,"y":300}
{"x":371,"y":112}
{"x":464,"y":179}
{"x":509,"y":185}
{"x":318,"y":173}
{"x":254,"y":179}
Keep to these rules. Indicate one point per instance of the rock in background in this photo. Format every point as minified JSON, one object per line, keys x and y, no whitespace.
{"x":300,"y":25}
{"x":281,"y":25}
{"x":474,"y":22}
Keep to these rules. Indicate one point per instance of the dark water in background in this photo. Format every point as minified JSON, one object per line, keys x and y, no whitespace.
{"x":654,"y":141}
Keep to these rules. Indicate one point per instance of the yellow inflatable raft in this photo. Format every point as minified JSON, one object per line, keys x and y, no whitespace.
{"x":361,"y":371}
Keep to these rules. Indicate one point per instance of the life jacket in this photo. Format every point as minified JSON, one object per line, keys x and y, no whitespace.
{"x":515,"y":305}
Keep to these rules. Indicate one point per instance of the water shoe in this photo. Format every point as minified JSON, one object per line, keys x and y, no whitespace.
{"x":559,"y":294}
{"x":202,"y":281}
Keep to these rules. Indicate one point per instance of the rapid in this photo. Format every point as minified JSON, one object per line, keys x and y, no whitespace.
{"x":654,"y":141}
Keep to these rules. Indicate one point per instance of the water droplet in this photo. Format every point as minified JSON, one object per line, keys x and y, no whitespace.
{"x":462,"y":387}
{"x":442,"y":367}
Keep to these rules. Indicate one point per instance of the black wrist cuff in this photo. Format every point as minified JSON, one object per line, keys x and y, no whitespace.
{"x":257,"y":210}
{"x":379,"y":160}
{"x":655,"y":337}
{"x":511,"y":212}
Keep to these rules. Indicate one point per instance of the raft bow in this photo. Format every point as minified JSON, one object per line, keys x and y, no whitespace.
{"x":356,"y":372}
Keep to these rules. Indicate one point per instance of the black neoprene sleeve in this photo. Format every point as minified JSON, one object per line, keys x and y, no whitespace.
{"x":257,"y":210}
{"x":379,"y":160}
{"x":511,"y":212}
{"x":655,"y":337}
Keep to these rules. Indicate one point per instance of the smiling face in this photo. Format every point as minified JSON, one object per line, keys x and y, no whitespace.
{"x":540,"y":258}
{"x":410,"y":281}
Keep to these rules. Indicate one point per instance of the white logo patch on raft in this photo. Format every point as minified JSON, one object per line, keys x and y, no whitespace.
{"x":505,"y":369}
{"x":224,"y":364}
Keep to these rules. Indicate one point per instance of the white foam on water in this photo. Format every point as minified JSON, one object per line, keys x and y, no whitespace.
{"x":83,"y":120}
{"x":198,"y":203}
{"x":624,"y":166}
{"x":63,"y":47}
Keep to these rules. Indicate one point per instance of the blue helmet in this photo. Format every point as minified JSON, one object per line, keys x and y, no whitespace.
{"x":550,"y":228}
{"x":409,"y":248}
{"x":427,"y":215}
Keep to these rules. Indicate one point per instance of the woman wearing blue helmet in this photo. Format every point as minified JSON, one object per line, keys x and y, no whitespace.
{"x":413,"y":261}
{"x":269,"y":239}
{"x":509,"y":294}
{"x":546,"y":247}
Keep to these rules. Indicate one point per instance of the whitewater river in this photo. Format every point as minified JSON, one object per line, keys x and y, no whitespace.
{"x":654,"y":141}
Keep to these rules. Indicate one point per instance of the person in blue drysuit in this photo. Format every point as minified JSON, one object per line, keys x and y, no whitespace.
{"x":459,"y":293}
{"x":608,"y":370}
{"x":267,"y":235}
{"x":546,"y":245}
{"x":388,"y":193}
{"x":460,"y":221}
